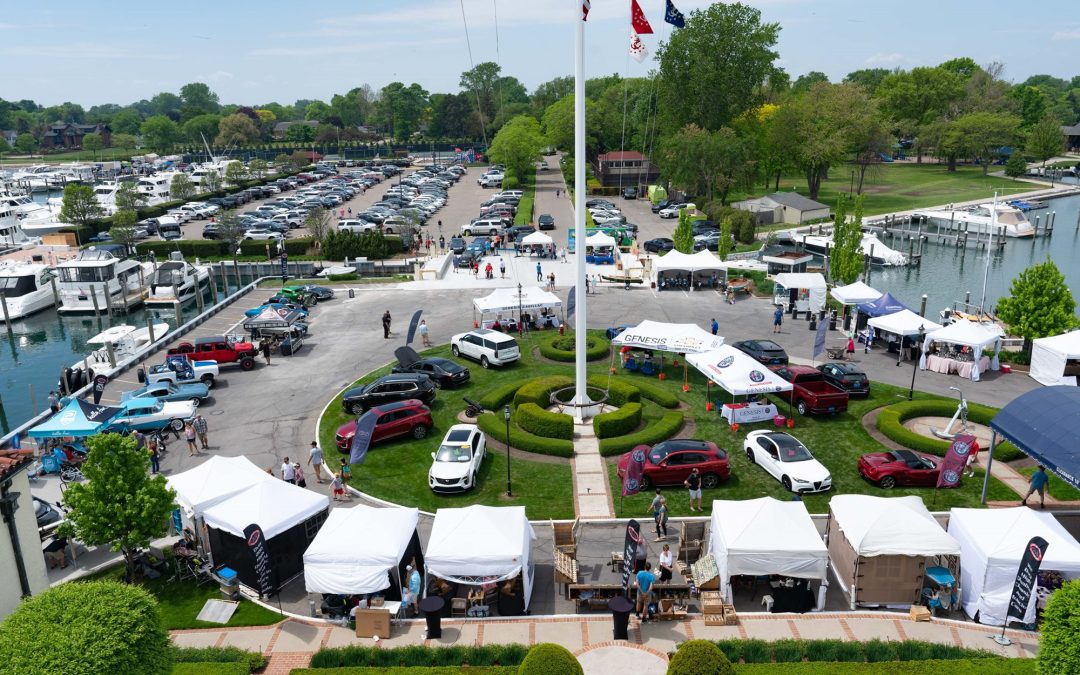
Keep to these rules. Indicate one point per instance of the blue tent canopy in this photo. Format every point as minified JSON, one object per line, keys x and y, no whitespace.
{"x":80,"y":418}
{"x":886,"y":304}
{"x":1043,"y":424}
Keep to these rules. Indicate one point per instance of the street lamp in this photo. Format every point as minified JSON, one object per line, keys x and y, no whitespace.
{"x":915,"y":365}
{"x":506,"y":416}
{"x":521,"y":320}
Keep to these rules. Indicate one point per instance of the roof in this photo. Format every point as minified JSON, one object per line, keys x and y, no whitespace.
{"x":794,"y":200}
{"x":379,"y":539}
{"x":1042,"y":423}
{"x":1074,"y":130}
{"x":876,"y":526}
{"x":284,"y":126}
{"x":620,"y":154}
{"x":12,"y":461}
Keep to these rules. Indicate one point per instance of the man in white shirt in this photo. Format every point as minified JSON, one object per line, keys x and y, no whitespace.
{"x":288,"y":473}
{"x":315,"y":460}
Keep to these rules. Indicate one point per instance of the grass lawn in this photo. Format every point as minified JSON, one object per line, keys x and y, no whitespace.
{"x":1056,"y":488}
{"x":103,"y":155}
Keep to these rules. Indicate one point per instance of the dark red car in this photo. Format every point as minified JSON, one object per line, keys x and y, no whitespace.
{"x":670,"y":462}
{"x":400,"y":418}
{"x":900,"y":468}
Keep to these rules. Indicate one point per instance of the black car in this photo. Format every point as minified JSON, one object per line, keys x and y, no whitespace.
{"x":443,"y":372}
{"x":210,"y":232}
{"x":662,"y":204}
{"x":388,"y":389}
{"x":703,"y":227}
{"x":659,"y":245}
{"x":765,"y":351}
{"x":599,"y":204}
{"x":46,"y":513}
{"x":519,"y":231}
{"x":846,"y":376}
{"x":457,"y":245}
{"x":546,"y":222}
{"x":709,"y":240}
{"x":320,"y":292}
{"x":629,"y":193}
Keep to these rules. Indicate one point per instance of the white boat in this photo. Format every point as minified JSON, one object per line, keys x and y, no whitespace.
{"x":156,"y":187}
{"x":1011,"y":221}
{"x":105,"y":193}
{"x":40,"y":177}
{"x":118,"y":346}
{"x":105,"y":274}
{"x":25,"y":288}
{"x":176,"y":279}
{"x":872,"y":247}
{"x":35,"y":219}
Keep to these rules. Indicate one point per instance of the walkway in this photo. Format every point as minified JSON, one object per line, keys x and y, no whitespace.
{"x":592,"y":490}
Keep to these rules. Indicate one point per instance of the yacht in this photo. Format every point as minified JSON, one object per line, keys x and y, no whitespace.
{"x":1010,"y":221}
{"x":872,"y":248}
{"x":176,"y":279}
{"x":117,"y":347}
{"x":11,"y":233}
{"x":25,"y":288}
{"x":105,"y":193}
{"x":34,"y":219}
{"x":101,"y":276}
{"x":40,"y":177}
{"x":156,"y":187}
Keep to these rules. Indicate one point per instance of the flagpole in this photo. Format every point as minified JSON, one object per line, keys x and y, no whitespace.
{"x":581,"y":395}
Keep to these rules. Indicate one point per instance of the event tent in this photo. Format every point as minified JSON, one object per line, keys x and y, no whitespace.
{"x":482,"y":544}
{"x":789,"y":285}
{"x":362,"y":549}
{"x":1050,"y":356}
{"x":854,"y":294}
{"x":676,"y":260}
{"x":507,"y":300}
{"x":598,"y":239}
{"x":904,"y":323}
{"x":1041,"y":424}
{"x":680,"y":338}
{"x":992,"y":542}
{"x":878,"y":547}
{"x":736,"y":372}
{"x":886,"y":304}
{"x":537,"y":239}
{"x":216,"y":479}
{"x":79,"y":418}
{"x":766,"y":536}
{"x":978,"y":336}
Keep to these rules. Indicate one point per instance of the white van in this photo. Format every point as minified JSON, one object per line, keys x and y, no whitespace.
{"x":489,"y":347}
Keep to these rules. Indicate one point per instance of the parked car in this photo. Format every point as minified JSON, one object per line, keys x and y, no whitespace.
{"x":262,"y":234}
{"x":455,"y":465}
{"x":46,"y":513}
{"x":150,"y":414}
{"x":900,"y":468}
{"x":846,"y":377}
{"x":224,"y":349}
{"x":546,"y":222}
{"x":670,"y":463}
{"x":787,"y":460}
{"x":710,"y":241}
{"x":400,"y":418}
{"x":196,"y":392}
{"x":810,"y":393}
{"x":321,"y":293}
{"x":388,"y":389}
{"x":659,"y":245}
{"x":629,"y":193}
{"x":444,"y":373}
{"x":179,"y":369}
{"x":673,"y":210}
{"x":660,"y":205}
{"x":765,"y":351}
{"x":487,"y":346}
{"x":457,"y":245}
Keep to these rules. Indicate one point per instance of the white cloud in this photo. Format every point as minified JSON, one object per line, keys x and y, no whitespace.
{"x":1073,"y":34}
{"x":885,"y":57}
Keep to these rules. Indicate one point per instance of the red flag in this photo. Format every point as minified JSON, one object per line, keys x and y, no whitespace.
{"x":955,"y":459}
{"x":634,"y":470}
{"x":637,"y":18}
{"x":586,"y":5}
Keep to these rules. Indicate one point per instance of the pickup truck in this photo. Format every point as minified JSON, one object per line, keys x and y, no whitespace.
{"x":810,"y":393}
{"x":224,"y":349}
{"x":179,"y":369}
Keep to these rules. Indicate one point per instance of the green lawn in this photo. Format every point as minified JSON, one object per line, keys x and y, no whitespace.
{"x":1056,"y":488}
{"x":104,"y":155}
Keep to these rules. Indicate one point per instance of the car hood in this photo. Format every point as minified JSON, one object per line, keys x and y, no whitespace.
{"x":181,"y":409}
{"x":450,"y":470}
{"x":346,"y":430}
{"x":877,"y":459}
{"x":810,"y":470}
{"x":198,"y":390}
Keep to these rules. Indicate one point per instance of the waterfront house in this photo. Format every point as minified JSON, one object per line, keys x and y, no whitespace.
{"x":628,"y":168}
{"x":69,"y":135}
{"x":783,"y":207}
{"x":1072,"y":136}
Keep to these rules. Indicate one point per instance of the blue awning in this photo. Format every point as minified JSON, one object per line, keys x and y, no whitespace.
{"x":1045,"y":425}
{"x":80,"y":418}
{"x":886,"y":304}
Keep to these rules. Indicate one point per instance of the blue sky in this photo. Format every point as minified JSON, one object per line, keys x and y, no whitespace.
{"x":118,"y":52}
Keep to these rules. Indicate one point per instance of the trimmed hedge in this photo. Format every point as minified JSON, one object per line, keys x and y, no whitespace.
{"x":890,"y":421}
{"x":210,"y":668}
{"x":619,"y":392}
{"x":873,"y":651}
{"x":406,"y":670}
{"x":250,"y":660}
{"x":986,"y":666}
{"x":498,"y":397}
{"x":417,"y":656}
{"x":191,"y":248}
{"x":655,"y":393}
{"x":618,"y":422}
{"x":548,"y":658}
{"x":495,"y":426}
{"x":538,"y":390}
{"x":699,"y":657}
{"x":524,"y":211}
{"x":662,"y":429}
{"x":561,"y":348}
{"x":536,"y":420}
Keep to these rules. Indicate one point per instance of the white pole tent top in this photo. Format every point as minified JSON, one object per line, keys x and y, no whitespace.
{"x":680,"y":338}
{"x":537,"y":238}
{"x":356,"y":548}
{"x":506,"y":300}
{"x":855,"y":293}
{"x":598,"y":239}
{"x":736,"y":372}
{"x":676,"y":260}
{"x":978,"y":336}
{"x":876,"y":526}
{"x":706,"y":260}
{"x":213,"y":481}
{"x":275,"y":506}
{"x":905,"y":323}
{"x":1049,"y":356}
{"x":812,"y":282}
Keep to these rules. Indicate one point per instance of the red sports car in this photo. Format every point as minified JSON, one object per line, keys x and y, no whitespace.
{"x":900,"y":468}
{"x":670,"y":462}
{"x":410,"y":417}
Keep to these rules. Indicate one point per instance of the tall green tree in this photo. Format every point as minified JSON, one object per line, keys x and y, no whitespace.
{"x":197,"y":99}
{"x":123,"y":229}
{"x":124,"y":141}
{"x":181,"y":187}
{"x":1059,"y":650}
{"x":201,"y":128}
{"x":517,"y":145}
{"x":128,"y":197}
{"x":93,"y":143}
{"x":300,"y":133}
{"x":127,"y":121}
{"x":80,"y":206}
{"x":211,"y":182}
{"x":230,"y":231}
{"x":258,"y":168}
{"x":1045,"y":139}
{"x":237,"y":129}
{"x":26,"y":144}
{"x":707,"y":163}
{"x":839,"y":254}
{"x":236,"y":173}
{"x":1016,"y":166}
{"x":981,"y":135}
{"x":1039,"y":304}
{"x":804,"y":83}
{"x":160,"y":133}
{"x":481,"y":83}
{"x":867,"y":78}
{"x":727,"y":241}
{"x":401,"y":109}
{"x":683,"y":237}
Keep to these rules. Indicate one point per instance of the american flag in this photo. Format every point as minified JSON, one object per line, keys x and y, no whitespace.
{"x":586,"y":5}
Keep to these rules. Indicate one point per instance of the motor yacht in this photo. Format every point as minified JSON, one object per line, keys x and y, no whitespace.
{"x":34,"y":219}
{"x":25,"y":289}
{"x":100,"y":277}
{"x":176,"y":279}
{"x":156,"y":187}
{"x":118,"y":346}
{"x":981,"y":219}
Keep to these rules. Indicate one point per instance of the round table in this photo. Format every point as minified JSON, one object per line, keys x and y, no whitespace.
{"x":432,"y":607}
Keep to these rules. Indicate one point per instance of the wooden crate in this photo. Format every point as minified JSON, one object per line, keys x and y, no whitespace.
{"x":712,"y":602}
{"x":714,"y":620}
{"x":730,"y":617}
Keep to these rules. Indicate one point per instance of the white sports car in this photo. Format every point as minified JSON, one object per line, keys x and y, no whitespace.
{"x":787,"y":460}
{"x":457,"y":462}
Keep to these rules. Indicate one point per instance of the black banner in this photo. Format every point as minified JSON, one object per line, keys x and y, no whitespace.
{"x":1025,"y":579}
{"x":413,"y":323}
{"x":365,"y":427}
{"x":284,"y":267}
{"x":256,"y":543}
{"x":630,"y":547}
{"x":99,"y":387}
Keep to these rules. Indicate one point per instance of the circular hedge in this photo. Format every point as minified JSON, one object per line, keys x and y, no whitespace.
{"x":699,"y":657}
{"x":562,"y":347}
{"x":548,"y":658}
{"x":890,"y":421}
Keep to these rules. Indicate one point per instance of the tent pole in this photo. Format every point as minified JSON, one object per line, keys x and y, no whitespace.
{"x":989,"y":461}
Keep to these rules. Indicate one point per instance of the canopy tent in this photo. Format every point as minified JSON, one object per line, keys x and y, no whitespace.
{"x":363,"y":549}
{"x":878,"y":547}
{"x":886,"y":304}
{"x":789,"y":286}
{"x":507,"y":300}
{"x":978,"y":336}
{"x":79,"y":418}
{"x":766,"y":536}
{"x":599,"y":239}
{"x":1050,"y":357}
{"x":736,"y":372}
{"x":854,"y":294}
{"x":904,"y":323}
{"x":680,"y":338}
{"x":537,"y":239}
{"x":992,"y":543}
{"x":214,"y":480}
{"x":706,"y":260}
{"x":481,"y":544}
{"x":273,"y":318}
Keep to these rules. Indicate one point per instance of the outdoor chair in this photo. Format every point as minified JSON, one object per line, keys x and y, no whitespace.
{"x":458,"y":607}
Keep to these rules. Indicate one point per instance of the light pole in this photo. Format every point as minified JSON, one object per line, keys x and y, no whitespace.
{"x":915,"y":365}
{"x":506,"y":416}
{"x":521,"y":320}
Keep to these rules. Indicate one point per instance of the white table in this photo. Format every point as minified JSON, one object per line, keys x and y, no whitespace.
{"x":744,"y":413}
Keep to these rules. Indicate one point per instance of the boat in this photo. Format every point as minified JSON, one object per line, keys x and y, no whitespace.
{"x":872,"y":248}
{"x":115,"y":348}
{"x":25,"y":289}
{"x":980,"y":219}
{"x":34,"y":219}
{"x":1026,"y":205}
{"x":156,"y":187}
{"x":40,"y":177}
{"x":100,"y":277}
{"x":105,"y":193}
{"x":176,"y":279}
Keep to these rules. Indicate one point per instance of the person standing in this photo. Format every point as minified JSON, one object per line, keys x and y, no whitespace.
{"x":189,"y":435}
{"x":337,"y":487}
{"x":424,"y":338}
{"x":442,"y":242}
{"x":850,"y":346}
{"x":539,"y":272}
{"x":346,"y":472}
{"x":54,"y":401}
{"x":264,"y":346}
{"x":868,"y":340}
{"x":777,"y":319}
{"x":288,"y":473}
{"x":665,"y":564}
{"x":693,"y":485}
{"x":715,"y":327}
{"x":654,"y":506}
{"x":315,"y":461}
{"x":502,"y":268}
{"x":644,"y":582}
{"x":155,"y":457}
{"x":298,"y":475}
{"x":201,"y":429}
{"x":386,"y":325}
{"x":412,"y":585}
{"x":1039,"y":479}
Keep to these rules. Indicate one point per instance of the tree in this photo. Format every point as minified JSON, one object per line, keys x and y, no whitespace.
{"x":683,"y":237}
{"x":124,"y":141}
{"x":1039,"y":304}
{"x":707,"y":163}
{"x":867,"y":78}
{"x":128,"y":197}
{"x":548,"y":92}
{"x":870,"y":139}
{"x":197,"y":99}
{"x":981,"y":135}
{"x":4,"y":146}
{"x":1016,"y":166}
{"x":401,"y":109}
{"x":804,"y":83}
{"x":480,"y":82}
{"x":127,"y":121}
{"x":839,"y":253}
{"x":300,"y":133}
{"x":1045,"y":139}
{"x":80,"y":206}
{"x":317,"y":111}
{"x":727,"y":242}
{"x":235,"y":173}
{"x":230,"y":231}
{"x":182,"y":188}
{"x":211,"y":182}
{"x":201,"y":129}
{"x":317,"y":221}
{"x":558,"y":124}
{"x":26,"y":144}
{"x":237,"y":129}
{"x":517,"y":145}
{"x":93,"y":143}
{"x":123,"y":229}
{"x":160,"y":133}
{"x":87,"y":627}
{"x":1059,"y":650}
{"x":258,"y":168}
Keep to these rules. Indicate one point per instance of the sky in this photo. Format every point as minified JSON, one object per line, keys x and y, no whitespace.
{"x":118,"y":51}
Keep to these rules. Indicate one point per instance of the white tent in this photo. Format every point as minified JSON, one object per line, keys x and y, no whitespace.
{"x":507,"y":300}
{"x":213,"y":481}
{"x":992,"y":542}
{"x":274,"y":505}
{"x":736,"y":372}
{"x":968,"y":333}
{"x":480,"y":544}
{"x":812,"y":282}
{"x":705,"y":260}
{"x":905,"y":323}
{"x":1049,"y":356}
{"x":357,"y":548}
{"x":766,"y":536}
{"x":598,"y":239}
{"x":673,"y":260}
{"x":537,"y":238}
{"x":680,"y":338}
{"x":855,"y":293}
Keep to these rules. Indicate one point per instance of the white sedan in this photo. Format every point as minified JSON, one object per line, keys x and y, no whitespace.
{"x":787,"y":460}
{"x":263,"y":235}
{"x":673,"y":210}
{"x":457,"y":462}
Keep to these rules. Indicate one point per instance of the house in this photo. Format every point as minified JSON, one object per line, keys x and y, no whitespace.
{"x":1072,"y":137}
{"x":783,"y":207}
{"x":627,"y":168}
{"x":70,"y":135}
{"x":22,"y":565}
{"x":281,"y":129}
{"x":9,"y":135}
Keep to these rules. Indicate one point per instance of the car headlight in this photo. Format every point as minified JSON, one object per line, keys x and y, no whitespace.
{"x":800,"y":480}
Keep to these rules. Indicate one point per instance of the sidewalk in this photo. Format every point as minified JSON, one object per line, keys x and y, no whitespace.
{"x":592,"y":489}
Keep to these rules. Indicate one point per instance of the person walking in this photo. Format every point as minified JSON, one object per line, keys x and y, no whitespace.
{"x":644,"y":581}
{"x":189,"y":435}
{"x":868,"y":340}
{"x":539,"y":272}
{"x":654,"y":506}
{"x":201,"y":429}
{"x":502,"y":268}
{"x":346,"y":472}
{"x":551,"y":281}
{"x":442,"y":242}
{"x":715,"y":327}
{"x":337,"y":488}
{"x":693,"y":485}
{"x":557,"y":192}
{"x":586,"y":284}
{"x":386,"y":325}
{"x":424,"y":338}
{"x":850,"y":346}
{"x":155,"y":457}
{"x":298,"y":475}
{"x":315,"y":461}
{"x":288,"y":473}
{"x":1039,"y":479}
{"x":665,"y":564}
{"x":489,"y":271}
{"x":777,"y":319}
{"x":264,"y":347}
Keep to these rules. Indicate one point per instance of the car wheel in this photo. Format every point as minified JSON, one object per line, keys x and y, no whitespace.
{"x":786,"y":482}
{"x":709,"y":481}
{"x":467,"y":233}
{"x":208,"y":380}
{"x":888,"y":482}
{"x":750,"y":456}
{"x":455,"y":351}
{"x":646,"y":484}
{"x":176,"y":425}
{"x":247,"y":363}
{"x":388,"y":230}
{"x":484,"y":362}
{"x":419,"y":431}
{"x":356,"y":408}
{"x":802,"y":408}
{"x":195,"y":402}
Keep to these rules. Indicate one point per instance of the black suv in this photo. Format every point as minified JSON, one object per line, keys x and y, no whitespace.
{"x":388,"y":389}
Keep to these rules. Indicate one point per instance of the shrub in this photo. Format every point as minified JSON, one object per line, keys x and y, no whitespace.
{"x":1059,"y":650}
{"x":762,"y":284}
{"x":618,"y":422}
{"x":562,"y":348}
{"x":524,"y":211}
{"x":536,"y":420}
{"x":662,"y":429}
{"x":209,"y":668}
{"x":834,"y":650}
{"x":494,"y":426}
{"x":418,"y":657}
{"x":258,"y":247}
{"x":549,"y":659}
{"x":251,"y":660}
{"x":351,"y":276}
{"x":196,"y":248}
{"x":510,"y":183}
{"x":496,"y":398}
{"x":976,"y":666}
{"x":620,"y":392}
{"x":891,"y":419}
{"x":789,"y":651}
{"x":699,"y":657}
{"x":656,"y":393}
{"x":86,"y":627}
{"x":881,"y":650}
{"x":298,"y":246}
{"x":538,"y":390}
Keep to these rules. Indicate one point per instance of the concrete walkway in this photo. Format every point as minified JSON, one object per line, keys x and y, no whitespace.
{"x":592,"y":491}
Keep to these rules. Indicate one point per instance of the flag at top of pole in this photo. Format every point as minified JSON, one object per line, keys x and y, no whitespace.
{"x":638,"y":20}
{"x":674,"y":16}
{"x":586,"y":5}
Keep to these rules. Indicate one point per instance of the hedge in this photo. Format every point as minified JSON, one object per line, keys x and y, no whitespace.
{"x":406,"y":670}
{"x":524,"y":211}
{"x":562,"y":348}
{"x":619,"y":391}
{"x":664,"y":428}
{"x":190,"y":248}
{"x":618,"y":422}
{"x":536,"y":420}
{"x":936,"y":667}
{"x":699,"y":657}
{"x":891,"y":419}
{"x":494,"y":426}
{"x":538,"y":390}
{"x":418,"y":656}
{"x":548,"y":658}
{"x":874,"y":651}
{"x":210,"y":668}
{"x":496,"y":398}
{"x":655,"y":393}
{"x":251,"y":660}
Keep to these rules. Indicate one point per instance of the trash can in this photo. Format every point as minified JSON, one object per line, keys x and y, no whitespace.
{"x":352,"y":293}
{"x":620,"y":608}
{"x":432,"y":608}
{"x":228,"y":583}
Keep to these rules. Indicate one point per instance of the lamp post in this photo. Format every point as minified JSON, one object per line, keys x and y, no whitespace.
{"x":915,"y":365}
{"x":521,"y":322}
{"x":506,"y":416}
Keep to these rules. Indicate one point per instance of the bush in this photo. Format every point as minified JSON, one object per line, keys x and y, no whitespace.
{"x":196,"y":248}
{"x":510,"y":183}
{"x":209,"y":668}
{"x":538,"y":390}
{"x":536,"y":420}
{"x":1018,"y":358}
{"x":789,"y":651}
{"x":891,"y":419}
{"x":699,"y":657}
{"x":1059,"y":650}
{"x":549,"y":659}
{"x":524,"y":211}
{"x":252,"y":660}
{"x":762,"y":284}
{"x":496,"y":398}
{"x":656,"y":393}
{"x":298,"y":246}
{"x":86,"y":627}
{"x":351,"y":276}
{"x":417,"y":656}
{"x":494,"y":426}
{"x":664,"y":428}
{"x":562,"y":348}
{"x":618,"y":422}
{"x":620,"y":392}
{"x":971,"y":666}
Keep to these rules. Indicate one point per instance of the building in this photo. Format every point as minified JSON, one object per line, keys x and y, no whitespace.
{"x":9,"y":135}
{"x":22,"y":565}
{"x":281,"y":129}
{"x":1072,"y":136}
{"x":626,"y":168}
{"x":784,"y":207}
{"x":69,"y":135}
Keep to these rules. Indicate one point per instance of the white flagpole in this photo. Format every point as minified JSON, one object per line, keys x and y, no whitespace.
{"x":581,"y":395}
{"x":989,"y":246}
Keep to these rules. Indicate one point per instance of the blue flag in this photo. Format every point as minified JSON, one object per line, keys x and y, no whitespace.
{"x":674,"y":16}
{"x":365,"y":427}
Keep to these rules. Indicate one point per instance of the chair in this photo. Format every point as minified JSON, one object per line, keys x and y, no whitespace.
{"x":458,"y":607}
{"x":647,"y":368}
{"x":630,"y":364}
{"x":767,"y":602}
{"x":691,"y":536}
{"x":201,"y":571}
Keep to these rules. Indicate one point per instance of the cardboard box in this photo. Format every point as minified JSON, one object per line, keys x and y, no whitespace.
{"x":372,"y":622}
{"x":919,"y":613}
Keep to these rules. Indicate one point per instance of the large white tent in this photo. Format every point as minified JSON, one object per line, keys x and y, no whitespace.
{"x":855,"y":293}
{"x":600,"y":239}
{"x":766,"y":536}
{"x":507,"y":300}
{"x":736,"y":372}
{"x":904,"y":323}
{"x":274,"y":505}
{"x":978,"y":336}
{"x":1049,"y":356}
{"x":992,"y":543}
{"x":811,"y":282}
{"x":213,"y":481}
{"x":680,"y":338}
{"x":479,"y":544}
{"x":676,"y":260}
{"x":537,"y":238}
{"x":358,"y":549}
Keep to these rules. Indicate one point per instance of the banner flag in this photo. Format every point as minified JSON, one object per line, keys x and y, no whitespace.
{"x":571,"y":303}
{"x":630,"y":546}
{"x":634,"y":469}
{"x":412,"y":326}
{"x":956,"y":458}
{"x":638,"y":51}
{"x":1025,"y":579}
{"x":365,"y":427}
{"x":674,"y":16}
{"x":638,"y":20}
{"x":819,"y":338}
{"x":256,"y":543}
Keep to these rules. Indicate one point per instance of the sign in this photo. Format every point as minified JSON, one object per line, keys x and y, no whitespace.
{"x":177,"y":522}
{"x":630,"y":546}
{"x":256,"y":543}
{"x":955,"y":460}
{"x":634,"y":469}
{"x":365,"y":427}
{"x":819,"y":338}
{"x":16,"y":442}
{"x":94,"y":413}
{"x":413,"y":323}
{"x":99,"y":386}
{"x":1025,"y":579}
{"x":284,"y":266}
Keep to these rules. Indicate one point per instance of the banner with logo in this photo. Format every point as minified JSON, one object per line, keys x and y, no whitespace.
{"x":630,"y":546}
{"x":413,"y":323}
{"x":256,"y":543}
{"x":365,"y":427}
{"x":631,"y":484}
{"x":284,"y":267}
{"x":99,"y":387}
{"x":955,"y":460}
{"x":1025,"y":579}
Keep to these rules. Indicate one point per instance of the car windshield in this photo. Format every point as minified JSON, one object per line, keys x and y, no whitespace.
{"x":453,"y":453}
{"x":659,"y":452}
{"x":791,"y":450}
{"x":445,"y":364}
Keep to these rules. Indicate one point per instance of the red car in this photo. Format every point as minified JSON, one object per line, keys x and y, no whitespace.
{"x":900,"y":468}
{"x":670,"y":462}
{"x":400,"y":418}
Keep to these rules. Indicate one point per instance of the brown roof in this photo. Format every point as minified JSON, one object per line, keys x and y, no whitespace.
{"x":12,"y":460}
{"x":620,"y":154}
